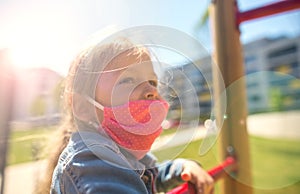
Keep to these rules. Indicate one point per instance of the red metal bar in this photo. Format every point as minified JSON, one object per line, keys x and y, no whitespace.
{"x":267,"y":10}
{"x":215,"y":173}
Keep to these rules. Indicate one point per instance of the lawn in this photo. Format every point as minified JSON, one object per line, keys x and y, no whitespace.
{"x":275,"y":162}
{"x":25,"y":145}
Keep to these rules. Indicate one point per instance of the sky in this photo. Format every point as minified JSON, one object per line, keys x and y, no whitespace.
{"x":48,"y":33}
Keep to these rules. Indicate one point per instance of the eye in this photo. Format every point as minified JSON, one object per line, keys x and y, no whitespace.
{"x":153,"y":83}
{"x":126,"y":80}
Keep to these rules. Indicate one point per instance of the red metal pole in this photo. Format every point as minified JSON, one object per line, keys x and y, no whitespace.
{"x":267,"y":10}
{"x":230,"y":162}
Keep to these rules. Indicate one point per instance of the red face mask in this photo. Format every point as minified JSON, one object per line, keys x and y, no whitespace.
{"x":136,"y":124}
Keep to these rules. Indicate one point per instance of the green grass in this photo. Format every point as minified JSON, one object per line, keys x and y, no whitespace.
{"x":25,"y":145}
{"x":275,"y":162}
{"x":276,"y":165}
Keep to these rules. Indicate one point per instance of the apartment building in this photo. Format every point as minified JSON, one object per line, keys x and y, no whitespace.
{"x":272,"y":72}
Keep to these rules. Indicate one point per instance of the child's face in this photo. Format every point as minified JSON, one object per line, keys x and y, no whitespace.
{"x":136,"y":81}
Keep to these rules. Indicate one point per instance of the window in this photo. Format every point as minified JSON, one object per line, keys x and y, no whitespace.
{"x":285,"y":51}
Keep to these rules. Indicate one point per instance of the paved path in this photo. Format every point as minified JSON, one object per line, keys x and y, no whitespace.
{"x":20,"y":178}
{"x":275,"y":125}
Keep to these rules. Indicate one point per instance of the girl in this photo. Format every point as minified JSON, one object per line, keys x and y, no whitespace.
{"x":114,"y":115}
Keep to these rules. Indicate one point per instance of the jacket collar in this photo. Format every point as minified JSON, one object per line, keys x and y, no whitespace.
{"x":106,"y":149}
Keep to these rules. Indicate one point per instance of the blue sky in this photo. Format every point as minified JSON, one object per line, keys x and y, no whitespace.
{"x":49,"y":32}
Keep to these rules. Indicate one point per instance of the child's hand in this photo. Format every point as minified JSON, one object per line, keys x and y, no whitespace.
{"x":199,"y":180}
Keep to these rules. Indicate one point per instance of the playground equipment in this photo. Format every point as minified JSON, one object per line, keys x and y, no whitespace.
{"x":226,"y":19}
{"x":228,"y":165}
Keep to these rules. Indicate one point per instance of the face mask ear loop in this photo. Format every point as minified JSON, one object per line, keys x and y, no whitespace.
{"x":94,"y":102}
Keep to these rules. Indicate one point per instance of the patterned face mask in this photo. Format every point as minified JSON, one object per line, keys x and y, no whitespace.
{"x":136,"y":124}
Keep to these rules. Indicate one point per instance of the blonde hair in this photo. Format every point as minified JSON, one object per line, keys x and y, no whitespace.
{"x":81,"y":79}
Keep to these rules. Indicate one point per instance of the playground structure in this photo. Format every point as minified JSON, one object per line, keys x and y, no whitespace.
{"x":226,"y":19}
{"x":228,"y":165}
{"x":228,"y":56}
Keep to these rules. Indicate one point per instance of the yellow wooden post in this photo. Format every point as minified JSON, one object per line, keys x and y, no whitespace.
{"x":229,"y":58}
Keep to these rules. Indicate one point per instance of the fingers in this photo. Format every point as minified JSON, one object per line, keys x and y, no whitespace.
{"x":204,"y":189}
{"x":207,"y":185}
{"x":199,"y":180}
{"x":191,"y":188}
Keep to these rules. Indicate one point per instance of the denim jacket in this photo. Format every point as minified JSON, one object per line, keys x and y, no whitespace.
{"x":93,"y":163}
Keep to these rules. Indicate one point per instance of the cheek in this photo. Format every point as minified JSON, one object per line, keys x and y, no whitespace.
{"x":109,"y":94}
{"x":135,"y":95}
{"x":123,"y":94}
{"x":120,"y":95}
{"x":103,"y":91}
{"x":103,"y":97}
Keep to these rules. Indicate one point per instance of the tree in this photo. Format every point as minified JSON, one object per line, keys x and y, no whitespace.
{"x":38,"y":106}
{"x":57,"y":95}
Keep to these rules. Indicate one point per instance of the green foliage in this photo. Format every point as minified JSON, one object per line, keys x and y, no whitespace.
{"x":57,"y":95}
{"x":38,"y":106}
{"x":203,"y":19}
{"x":276,"y":99}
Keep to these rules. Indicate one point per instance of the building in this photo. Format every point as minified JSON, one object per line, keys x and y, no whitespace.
{"x":273,"y":72}
{"x":36,"y":98}
{"x":189,"y":90}
{"x":272,"y":76}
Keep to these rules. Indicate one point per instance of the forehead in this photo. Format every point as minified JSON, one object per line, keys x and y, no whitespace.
{"x":127,"y":59}
{"x":142,"y":69}
{"x":129,"y":64}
